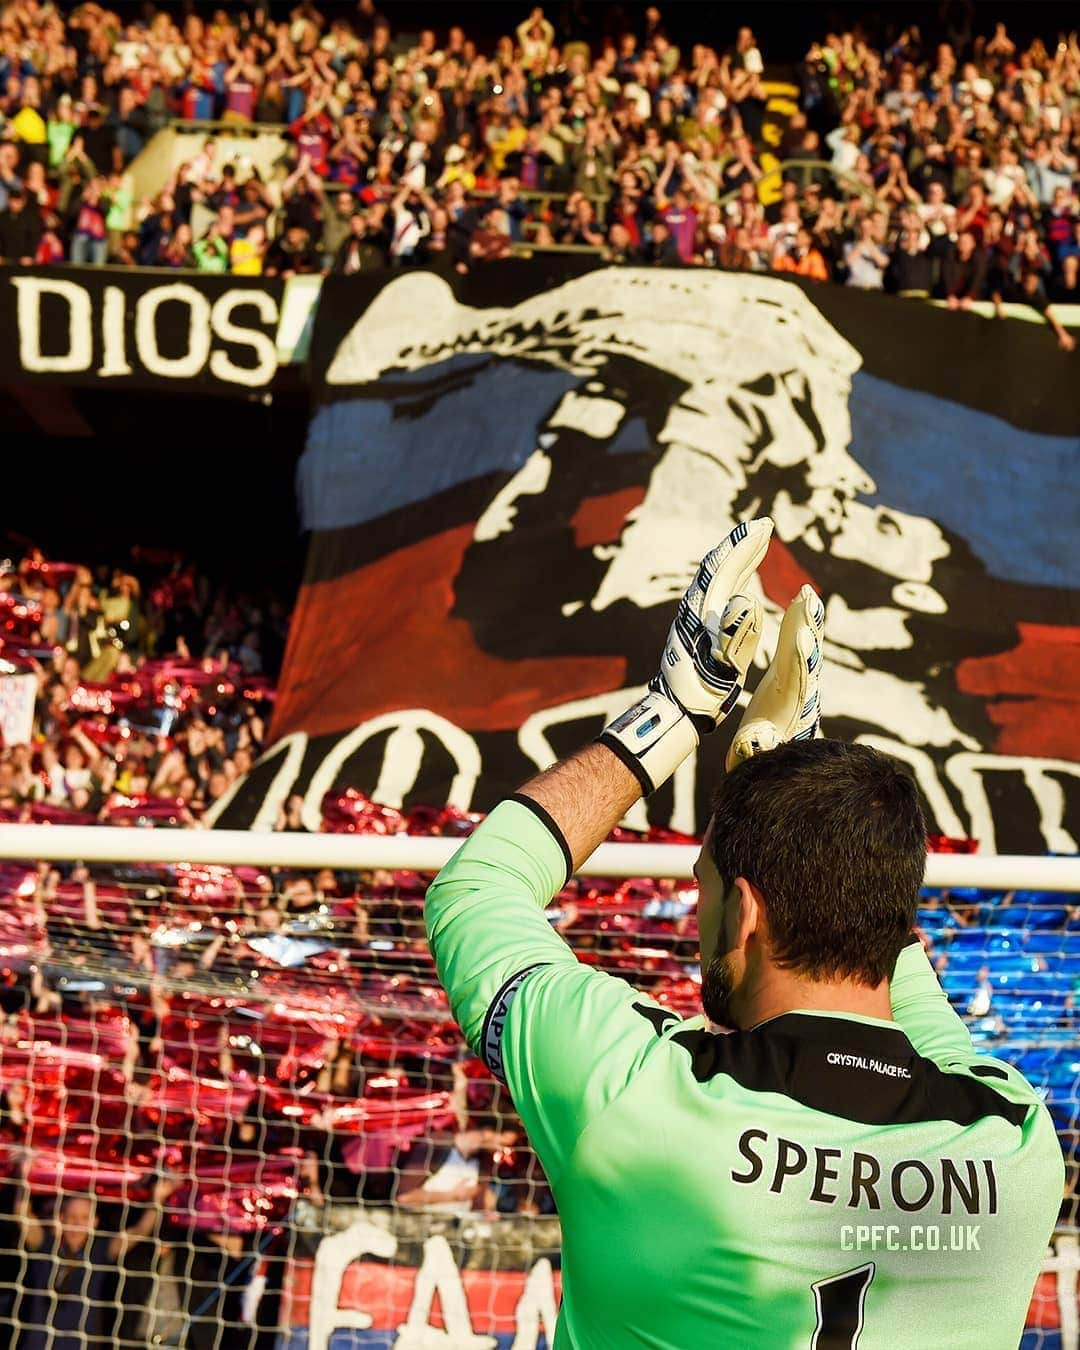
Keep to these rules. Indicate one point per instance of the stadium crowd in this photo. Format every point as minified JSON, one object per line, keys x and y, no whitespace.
{"x":946,"y":168}
{"x":151,"y":689}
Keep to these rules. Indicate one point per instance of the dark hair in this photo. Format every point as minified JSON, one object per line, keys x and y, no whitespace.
{"x":833,"y":836}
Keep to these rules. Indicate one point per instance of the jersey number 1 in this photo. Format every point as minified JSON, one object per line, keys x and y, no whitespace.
{"x":839,"y":1301}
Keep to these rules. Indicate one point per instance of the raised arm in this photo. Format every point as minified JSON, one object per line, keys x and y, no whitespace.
{"x":665,"y":176}
{"x":1066,"y":341}
{"x":484,"y":913}
{"x":91,"y":913}
{"x":89,"y":749}
{"x":33,"y":1230}
{"x":922,"y":1009}
{"x":148,"y":1220}
{"x":585,"y":797}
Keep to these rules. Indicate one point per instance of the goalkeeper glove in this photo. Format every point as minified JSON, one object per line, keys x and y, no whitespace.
{"x":786,"y":705}
{"x":709,"y":649}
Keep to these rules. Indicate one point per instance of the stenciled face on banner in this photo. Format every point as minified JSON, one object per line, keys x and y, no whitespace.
{"x":507,"y":500}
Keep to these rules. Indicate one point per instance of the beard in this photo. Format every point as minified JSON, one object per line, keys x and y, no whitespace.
{"x":717,"y":988}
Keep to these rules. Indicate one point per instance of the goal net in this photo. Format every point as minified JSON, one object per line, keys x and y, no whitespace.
{"x":236,"y":1112}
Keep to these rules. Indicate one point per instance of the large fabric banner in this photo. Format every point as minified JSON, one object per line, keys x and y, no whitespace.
{"x":411,"y":1279}
{"x":510,"y":478}
{"x":117,"y":327}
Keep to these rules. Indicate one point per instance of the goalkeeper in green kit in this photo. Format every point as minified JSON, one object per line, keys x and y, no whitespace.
{"x":839,"y":1168}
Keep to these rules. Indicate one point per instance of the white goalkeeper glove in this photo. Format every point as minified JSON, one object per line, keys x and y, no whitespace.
{"x":786,"y":705}
{"x":709,"y":649}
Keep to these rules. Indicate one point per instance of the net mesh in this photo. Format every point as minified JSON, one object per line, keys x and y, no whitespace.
{"x":236,"y":1111}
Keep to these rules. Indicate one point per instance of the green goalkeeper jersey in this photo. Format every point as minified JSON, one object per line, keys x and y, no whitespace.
{"x":821,"y":1181}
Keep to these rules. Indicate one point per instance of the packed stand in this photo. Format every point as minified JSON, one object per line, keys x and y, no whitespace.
{"x":403,"y":150}
{"x":944,"y":169}
{"x":144,"y":691}
{"x":962,"y":158}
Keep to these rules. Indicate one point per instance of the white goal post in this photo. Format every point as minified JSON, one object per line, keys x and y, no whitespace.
{"x":101,"y":843}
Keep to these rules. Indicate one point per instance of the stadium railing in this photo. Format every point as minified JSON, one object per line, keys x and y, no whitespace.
{"x":208,"y":1008}
{"x":230,"y":126}
{"x":803,"y":172}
